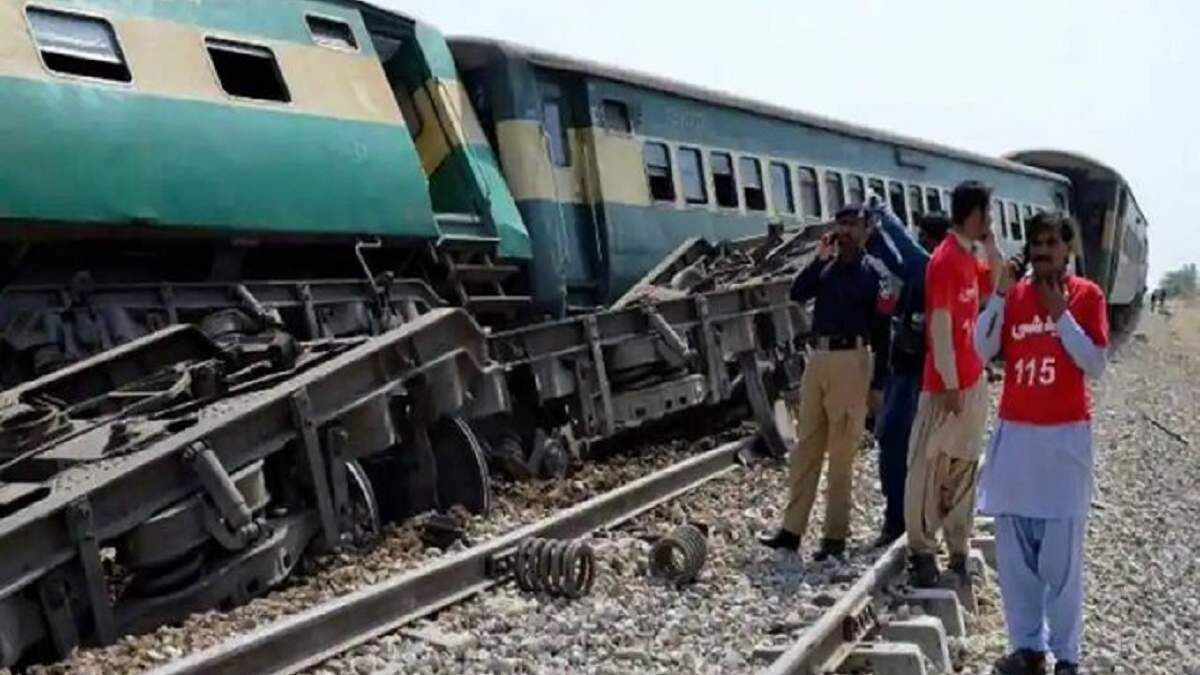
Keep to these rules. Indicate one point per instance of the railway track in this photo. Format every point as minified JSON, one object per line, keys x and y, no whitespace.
{"x":305,"y":639}
{"x":863,"y":627}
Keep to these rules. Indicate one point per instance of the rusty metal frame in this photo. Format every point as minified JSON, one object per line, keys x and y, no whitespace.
{"x":579,"y":360}
{"x":442,"y":352}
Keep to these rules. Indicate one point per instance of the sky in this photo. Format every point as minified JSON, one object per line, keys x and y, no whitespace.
{"x":1116,"y":81}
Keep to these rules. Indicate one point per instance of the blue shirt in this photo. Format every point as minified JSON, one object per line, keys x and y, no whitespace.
{"x":847,"y":294}
{"x":905,"y":258}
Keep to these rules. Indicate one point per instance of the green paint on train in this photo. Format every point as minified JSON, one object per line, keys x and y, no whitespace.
{"x":90,"y":154}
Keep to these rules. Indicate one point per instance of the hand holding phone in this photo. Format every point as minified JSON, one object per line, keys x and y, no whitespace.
{"x":827,"y":248}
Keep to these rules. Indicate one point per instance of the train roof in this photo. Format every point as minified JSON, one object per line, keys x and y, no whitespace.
{"x":1074,"y":161}
{"x":560,"y":62}
{"x":1065,"y":160}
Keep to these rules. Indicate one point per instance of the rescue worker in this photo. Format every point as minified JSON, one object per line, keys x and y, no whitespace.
{"x":1052,"y":332}
{"x":903,"y":383}
{"x":939,"y":490}
{"x":851,"y":298}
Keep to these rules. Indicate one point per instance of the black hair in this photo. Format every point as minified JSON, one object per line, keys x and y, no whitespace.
{"x":1063,"y":223}
{"x":968,"y":196}
{"x":850,"y":211}
{"x":934,"y":225}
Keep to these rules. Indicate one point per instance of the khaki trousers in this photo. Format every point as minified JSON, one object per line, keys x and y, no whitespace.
{"x":943,"y":470}
{"x":829,"y":421}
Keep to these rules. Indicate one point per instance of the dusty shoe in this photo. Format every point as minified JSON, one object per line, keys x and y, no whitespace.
{"x":1067,"y":668}
{"x":831,"y":548}
{"x":1021,"y":662}
{"x":781,"y":540}
{"x":924,"y":573}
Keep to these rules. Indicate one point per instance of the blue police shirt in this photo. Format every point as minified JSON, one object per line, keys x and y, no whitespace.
{"x":847,"y":296}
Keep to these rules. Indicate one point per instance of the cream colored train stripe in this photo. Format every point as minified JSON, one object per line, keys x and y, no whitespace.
{"x":169,"y":59}
{"x":531,"y":176}
{"x":461,"y":124}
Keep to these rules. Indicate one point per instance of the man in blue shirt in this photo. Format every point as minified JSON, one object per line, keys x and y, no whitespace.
{"x":852,"y":296}
{"x":905,"y":361}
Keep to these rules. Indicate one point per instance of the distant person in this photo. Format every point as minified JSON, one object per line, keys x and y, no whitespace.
{"x":1037,"y":481}
{"x":939,"y":490}
{"x":905,"y":359}
{"x":851,"y":298}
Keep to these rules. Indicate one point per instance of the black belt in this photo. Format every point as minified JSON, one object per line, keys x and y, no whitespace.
{"x":838,"y":342}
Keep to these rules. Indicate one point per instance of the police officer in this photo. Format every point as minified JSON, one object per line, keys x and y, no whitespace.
{"x":852,"y":296}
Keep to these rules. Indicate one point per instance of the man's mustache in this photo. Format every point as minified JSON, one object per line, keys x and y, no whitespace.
{"x":1041,"y":258}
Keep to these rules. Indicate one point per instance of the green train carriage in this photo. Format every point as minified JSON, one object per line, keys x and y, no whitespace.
{"x":155,"y":151}
{"x":611,"y":169}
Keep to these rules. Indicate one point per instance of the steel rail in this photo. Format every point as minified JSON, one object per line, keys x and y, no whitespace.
{"x":829,"y":639}
{"x":316,"y":634}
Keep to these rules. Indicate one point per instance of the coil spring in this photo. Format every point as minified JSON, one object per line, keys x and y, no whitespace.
{"x":679,"y":556}
{"x":556,"y":566}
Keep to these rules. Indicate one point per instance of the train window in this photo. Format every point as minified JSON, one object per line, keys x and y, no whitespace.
{"x":998,"y":219}
{"x":933,"y":200}
{"x":876,"y":187}
{"x":858,"y":192}
{"x":616,"y":117}
{"x":247,"y":71}
{"x":658,"y":172}
{"x":691,"y":176}
{"x":1028,"y":211}
{"x":896,"y":199}
{"x":915,"y":204}
{"x":810,"y":196}
{"x":946,"y":199}
{"x":1014,"y":222}
{"x":1060,"y":202}
{"x":556,"y":132}
{"x":835,"y":196}
{"x":752,"y":184}
{"x":331,"y":33}
{"x":724,"y":184}
{"x":72,"y":44}
{"x":781,"y":188}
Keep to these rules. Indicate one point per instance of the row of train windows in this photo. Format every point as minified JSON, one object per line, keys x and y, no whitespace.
{"x":87,"y":46}
{"x":834,"y":192}
{"x":908,"y":202}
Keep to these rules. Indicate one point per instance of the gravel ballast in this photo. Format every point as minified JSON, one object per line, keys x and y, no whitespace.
{"x":746,"y":597}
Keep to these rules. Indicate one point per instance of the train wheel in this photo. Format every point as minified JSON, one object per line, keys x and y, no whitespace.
{"x":462,"y":473}
{"x":363,"y":521}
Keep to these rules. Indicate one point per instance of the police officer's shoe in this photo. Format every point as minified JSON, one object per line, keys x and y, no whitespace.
{"x":924,"y":572}
{"x":831,"y":548}
{"x":1067,"y":668}
{"x":781,"y":540}
{"x":1022,"y":662}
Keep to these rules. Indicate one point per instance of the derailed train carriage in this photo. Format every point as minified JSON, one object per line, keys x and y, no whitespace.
{"x":248,"y":249}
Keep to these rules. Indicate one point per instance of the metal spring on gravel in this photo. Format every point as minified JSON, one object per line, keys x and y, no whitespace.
{"x":556,"y":566}
{"x":679,"y":556}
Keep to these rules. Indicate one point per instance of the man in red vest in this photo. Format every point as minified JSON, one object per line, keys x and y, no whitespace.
{"x":943,"y":454}
{"x":1052,"y":332}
